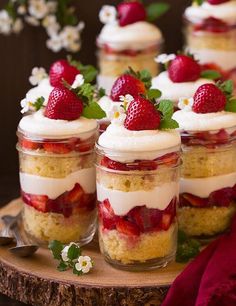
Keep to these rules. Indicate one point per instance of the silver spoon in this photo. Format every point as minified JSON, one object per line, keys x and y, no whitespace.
{"x":22,"y":249}
{"x":6,"y":236}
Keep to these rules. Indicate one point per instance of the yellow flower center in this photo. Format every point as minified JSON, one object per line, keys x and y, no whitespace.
{"x":116,"y":115}
{"x":186,"y":102}
{"x":84,"y":263}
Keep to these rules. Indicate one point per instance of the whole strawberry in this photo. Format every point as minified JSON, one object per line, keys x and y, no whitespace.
{"x":63,"y":104}
{"x":142,"y":115}
{"x":62,"y":70}
{"x":184,"y":69}
{"x":131,"y":12}
{"x":215,"y":2}
{"x":209,"y":99}
{"x":127,"y":84}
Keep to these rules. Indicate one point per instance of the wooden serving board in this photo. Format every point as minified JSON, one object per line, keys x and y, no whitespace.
{"x":36,"y":281}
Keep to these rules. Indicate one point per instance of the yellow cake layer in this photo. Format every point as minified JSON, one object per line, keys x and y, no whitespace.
{"x":200,"y":162}
{"x":45,"y":227}
{"x":147,"y":246}
{"x":205,"y":221}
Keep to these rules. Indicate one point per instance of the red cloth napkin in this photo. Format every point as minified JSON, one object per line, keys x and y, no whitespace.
{"x":210,"y":279}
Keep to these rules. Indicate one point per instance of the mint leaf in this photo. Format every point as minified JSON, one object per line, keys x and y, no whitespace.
{"x":62,"y":266}
{"x":73,"y":252}
{"x":166,"y":107}
{"x":155,"y":10}
{"x":153,"y":94}
{"x":86,"y":93}
{"x":187,"y":247}
{"x":93,"y":111}
{"x":167,"y":124}
{"x":56,"y":248}
{"x":101,"y":92}
{"x":89,"y":72}
{"x":39,"y":103}
{"x":210,"y":74}
{"x":198,"y":2}
{"x":231,"y":106}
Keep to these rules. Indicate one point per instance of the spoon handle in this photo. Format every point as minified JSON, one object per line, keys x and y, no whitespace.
{"x":16,"y":233}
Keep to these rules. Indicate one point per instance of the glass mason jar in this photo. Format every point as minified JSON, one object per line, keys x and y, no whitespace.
{"x":208,"y":182}
{"x":113,"y":63}
{"x":137,"y":204}
{"x":213,"y":42}
{"x":58,"y":187}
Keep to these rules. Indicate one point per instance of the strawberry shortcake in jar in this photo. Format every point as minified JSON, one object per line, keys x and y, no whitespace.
{"x":208,"y":175}
{"x":127,"y":39}
{"x":211,"y":34}
{"x":138,"y":159}
{"x":56,"y":154}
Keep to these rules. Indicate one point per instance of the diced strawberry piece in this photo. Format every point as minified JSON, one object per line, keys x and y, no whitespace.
{"x":111,"y":164}
{"x":127,"y":228}
{"x":169,"y":159}
{"x":39,"y":202}
{"x":75,"y":194}
{"x":88,"y":202}
{"x":106,"y":215}
{"x":166,"y":221}
{"x":145,"y":165}
{"x":213,"y":25}
{"x":57,"y":148}
{"x":29,"y":145}
{"x":194,"y":200}
{"x":222,"y":197}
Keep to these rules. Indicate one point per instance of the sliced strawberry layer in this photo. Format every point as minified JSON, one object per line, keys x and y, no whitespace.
{"x":208,"y":139}
{"x":128,"y":52}
{"x":213,"y":25}
{"x":73,"y":144}
{"x":170,"y":159}
{"x":219,"y":198}
{"x":138,"y":220}
{"x":75,"y":200}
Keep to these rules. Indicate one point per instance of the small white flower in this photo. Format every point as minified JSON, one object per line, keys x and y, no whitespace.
{"x":74,"y":46}
{"x":5,"y":22}
{"x":69,"y":34}
{"x":185,"y":104}
{"x":51,"y":25}
{"x":116,"y":114}
{"x":165,"y":58}
{"x":26,"y":106}
{"x":108,"y":14}
{"x":37,"y":75}
{"x":38,"y":8}
{"x":84,"y":264}
{"x":127,"y":98}
{"x":54,"y":43}
{"x":21,"y":10}
{"x":17,"y":26}
{"x":79,"y":81}
{"x":32,"y":21}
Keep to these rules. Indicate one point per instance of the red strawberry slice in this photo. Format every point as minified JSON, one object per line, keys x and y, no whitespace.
{"x":29,"y":145}
{"x":131,"y":12}
{"x":209,"y":99}
{"x":213,"y":25}
{"x":166,"y":221}
{"x":39,"y":202}
{"x":111,"y":164}
{"x":75,"y":195}
{"x":56,"y":148}
{"x":194,"y":201}
{"x":106,"y":215}
{"x":222,"y":197}
{"x":216,"y":2}
{"x":127,"y":227}
{"x":126,"y":84}
{"x":63,"y":104}
{"x":142,"y":115}
{"x":184,"y":69}
{"x":62,"y":70}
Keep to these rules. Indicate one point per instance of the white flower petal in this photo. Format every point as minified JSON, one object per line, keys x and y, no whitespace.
{"x":79,"y":81}
{"x":165,"y":58}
